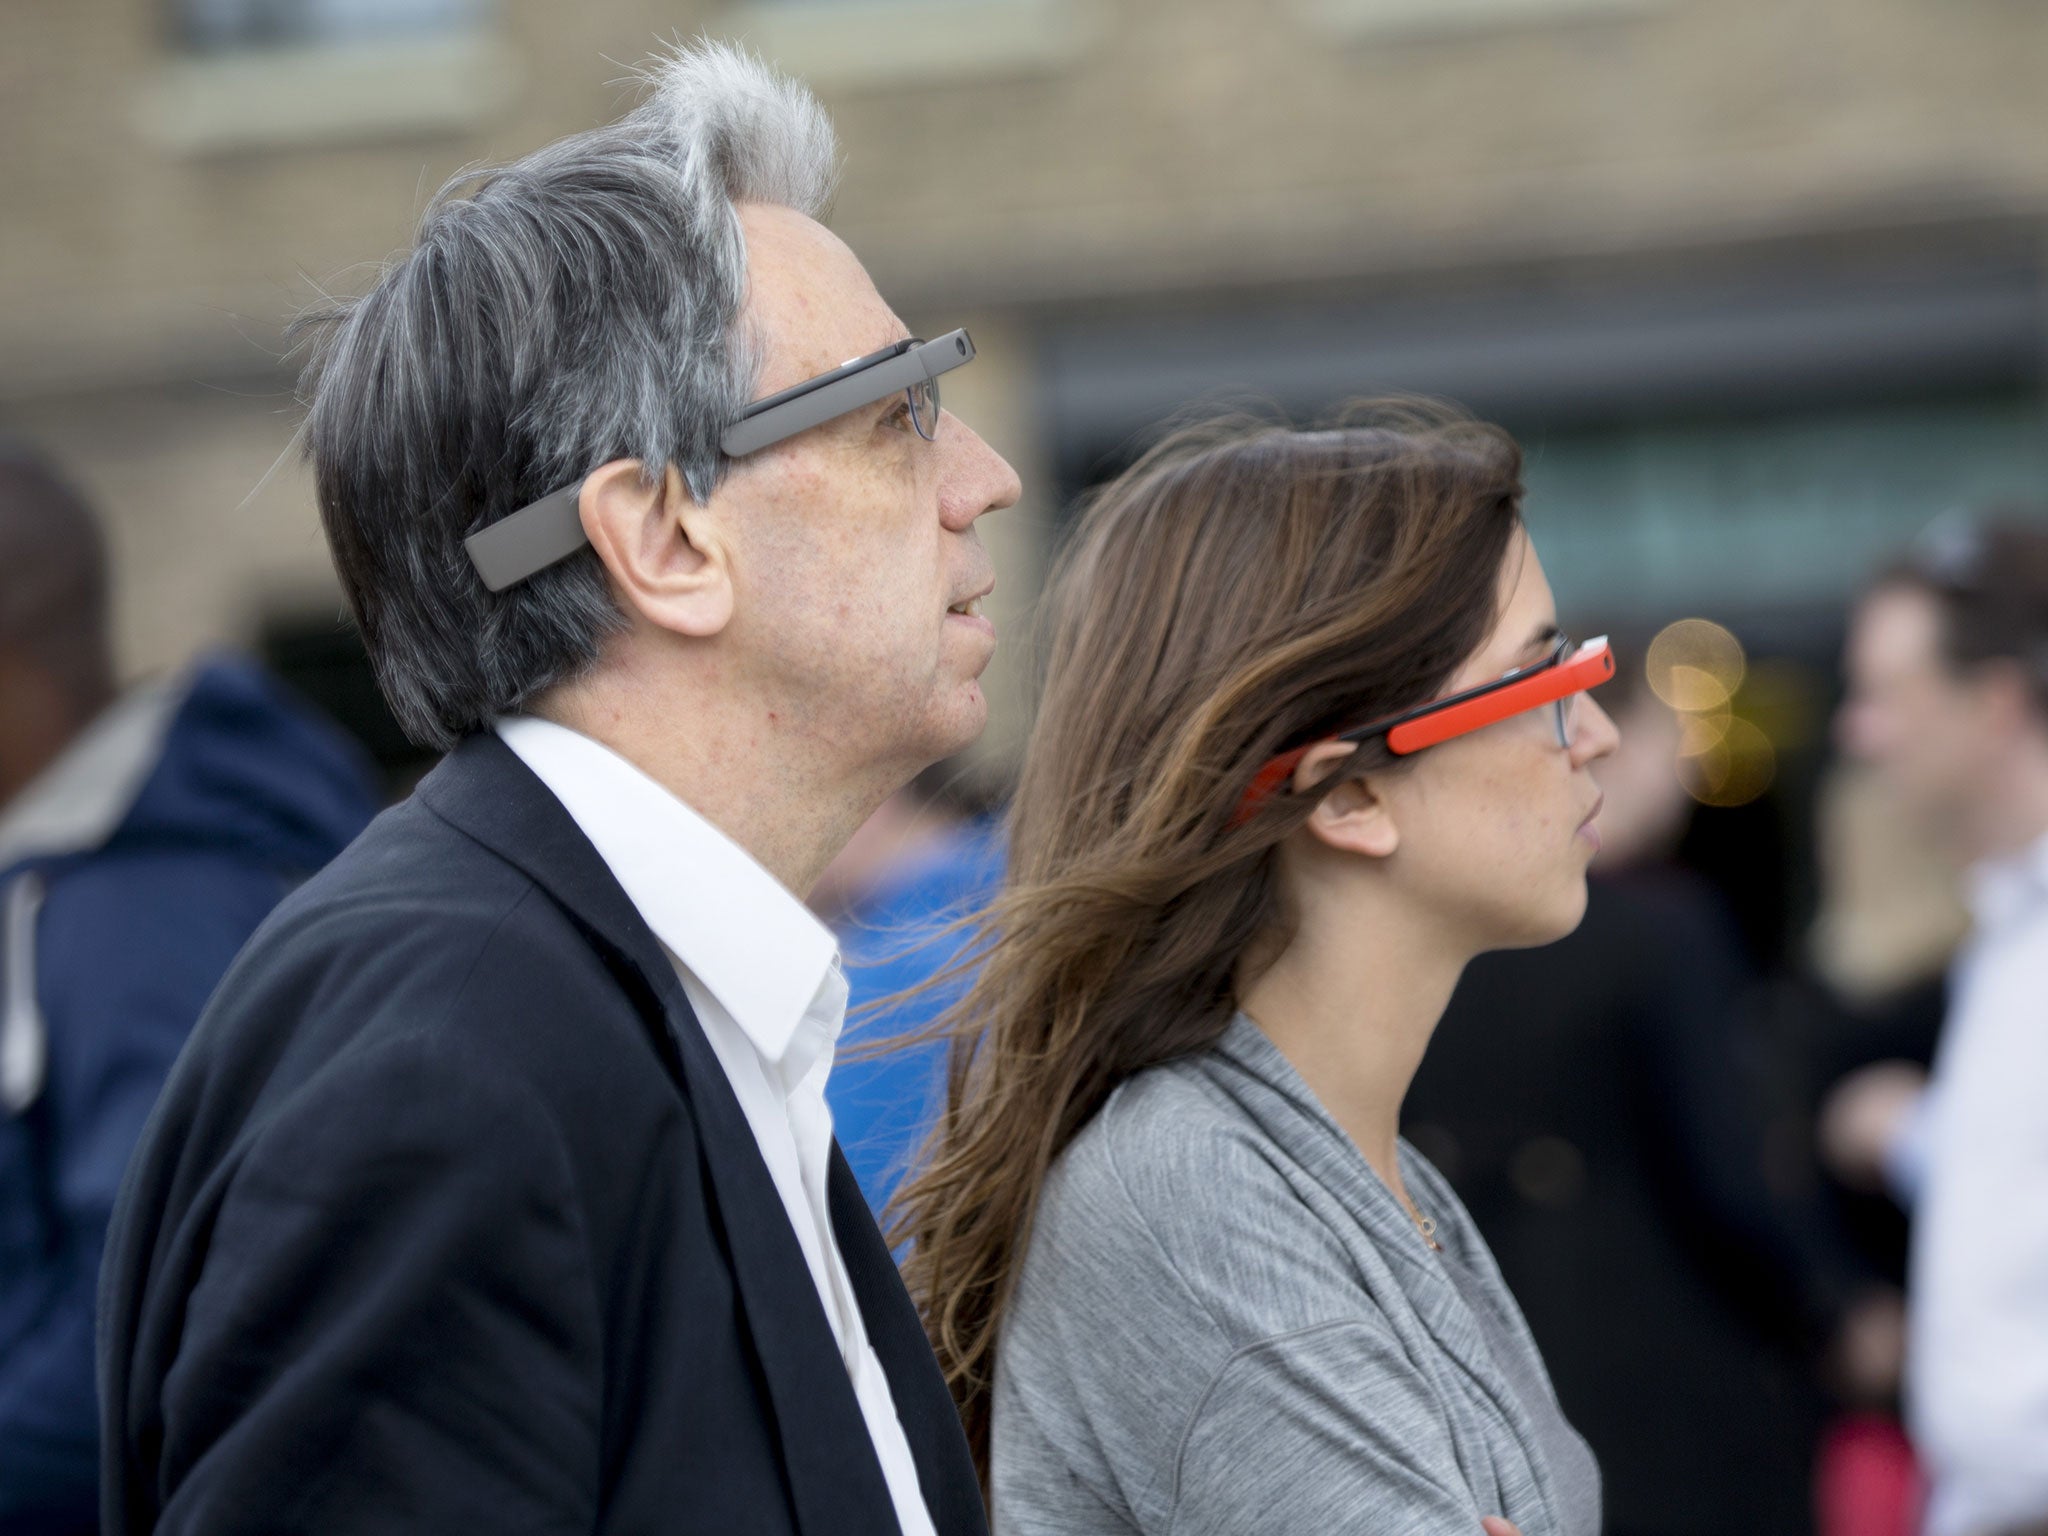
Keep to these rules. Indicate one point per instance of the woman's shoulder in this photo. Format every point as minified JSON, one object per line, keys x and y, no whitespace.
{"x":1170,"y":1240}
{"x":1173,"y":1199}
{"x":1171,"y":1150}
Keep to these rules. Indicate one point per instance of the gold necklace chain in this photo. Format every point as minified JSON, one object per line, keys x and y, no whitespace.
{"x":1423,"y":1224}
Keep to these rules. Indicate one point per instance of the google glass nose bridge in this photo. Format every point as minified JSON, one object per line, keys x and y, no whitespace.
{"x":547,"y":531}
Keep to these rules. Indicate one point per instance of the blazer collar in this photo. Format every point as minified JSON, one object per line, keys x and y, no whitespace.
{"x":836,"y":1482}
{"x":748,"y":940}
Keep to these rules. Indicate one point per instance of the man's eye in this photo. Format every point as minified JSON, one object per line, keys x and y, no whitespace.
{"x":899,"y":417}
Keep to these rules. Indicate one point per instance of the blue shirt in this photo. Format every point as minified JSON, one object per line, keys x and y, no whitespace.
{"x":895,"y":939}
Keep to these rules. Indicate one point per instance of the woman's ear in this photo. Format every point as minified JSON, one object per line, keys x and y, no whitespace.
{"x":1352,"y":817}
{"x":663,"y":551}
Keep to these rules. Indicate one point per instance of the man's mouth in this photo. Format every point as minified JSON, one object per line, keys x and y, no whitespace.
{"x":969,"y":609}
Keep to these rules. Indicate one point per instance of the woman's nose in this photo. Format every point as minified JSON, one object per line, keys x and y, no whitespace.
{"x":1597,"y":734}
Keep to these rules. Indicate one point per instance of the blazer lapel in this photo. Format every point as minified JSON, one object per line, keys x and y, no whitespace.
{"x":836,"y":1482}
{"x":931,"y":1422}
{"x":834,"y":1475}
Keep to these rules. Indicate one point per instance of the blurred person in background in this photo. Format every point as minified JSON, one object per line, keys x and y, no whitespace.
{"x":928,"y":859}
{"x":142,"y":839}
{"x":1616,"y":1161}
{"x":1310,"y":739}
{"x":496,"y":1190}
{"x":1947,"y":664}
{"x":1889,"y":922}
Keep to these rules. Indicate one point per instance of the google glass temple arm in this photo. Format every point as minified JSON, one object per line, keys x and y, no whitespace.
{"x":816,"y":401}
{"x":528,"y":541}
{"x":1429,"y":725}
{"x":549,"y":530}
{"x":1587,"y":667}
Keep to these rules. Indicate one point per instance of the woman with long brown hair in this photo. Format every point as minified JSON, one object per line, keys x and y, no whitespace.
{"x":1309,"y":741}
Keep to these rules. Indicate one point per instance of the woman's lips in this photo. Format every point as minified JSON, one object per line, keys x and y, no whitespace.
{"x":1587,"y":829}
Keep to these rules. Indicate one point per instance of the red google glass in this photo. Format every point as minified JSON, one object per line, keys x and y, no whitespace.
{"x":1558,"y":680}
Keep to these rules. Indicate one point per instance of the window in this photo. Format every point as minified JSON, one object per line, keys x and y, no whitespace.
{"x":855,"y":44}
{"x":228,"y":26}
{"x":274,"y":74}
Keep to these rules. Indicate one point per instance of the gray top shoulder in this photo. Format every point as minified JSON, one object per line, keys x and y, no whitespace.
{"x":1226,"y":1323}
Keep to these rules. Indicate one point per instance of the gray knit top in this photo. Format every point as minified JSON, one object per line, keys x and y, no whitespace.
{"x":1226,"y":1323}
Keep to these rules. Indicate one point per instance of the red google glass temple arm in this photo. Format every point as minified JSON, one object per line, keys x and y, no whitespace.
{"x":1589,"y":666}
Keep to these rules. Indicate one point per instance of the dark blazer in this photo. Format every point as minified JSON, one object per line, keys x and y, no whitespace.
{"x":448,"y":1220}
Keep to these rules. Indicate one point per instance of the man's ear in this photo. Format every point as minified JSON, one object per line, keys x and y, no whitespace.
{"x":663,"y":551}
{"x":1353,"y":817}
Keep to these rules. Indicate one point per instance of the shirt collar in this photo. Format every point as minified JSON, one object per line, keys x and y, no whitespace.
{"x":2003,"y":889}
{"x":753,"y":946}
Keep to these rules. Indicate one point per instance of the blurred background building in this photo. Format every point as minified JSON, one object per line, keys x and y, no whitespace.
{"x":1763,"y":286}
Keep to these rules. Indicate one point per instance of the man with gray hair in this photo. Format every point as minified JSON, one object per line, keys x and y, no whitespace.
{"x":496,"y":1190}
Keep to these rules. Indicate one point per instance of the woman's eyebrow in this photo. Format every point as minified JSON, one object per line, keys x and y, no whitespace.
{"x":1546,"y":636}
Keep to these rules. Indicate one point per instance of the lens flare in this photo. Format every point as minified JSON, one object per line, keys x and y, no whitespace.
{"x":1702,"y":733}
{"x":1695,"y":665}
{"x":1734,"y":770}
{"x":1726,"y":757}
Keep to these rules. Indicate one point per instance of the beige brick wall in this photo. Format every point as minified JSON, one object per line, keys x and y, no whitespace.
{"x":1190,"y":143}
{"x":1151,"y":146}
{"x":209,"y":512}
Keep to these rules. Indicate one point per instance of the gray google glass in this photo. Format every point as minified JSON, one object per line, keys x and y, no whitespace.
{"x":551,"y":529}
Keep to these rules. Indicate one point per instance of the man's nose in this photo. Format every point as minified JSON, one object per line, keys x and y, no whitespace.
{"x":977,"y":478}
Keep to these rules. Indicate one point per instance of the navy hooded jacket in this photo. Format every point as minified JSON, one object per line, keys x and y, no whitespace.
{"x":130,"y":873}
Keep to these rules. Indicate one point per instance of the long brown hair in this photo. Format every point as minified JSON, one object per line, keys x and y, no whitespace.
{"x":1242,"y":589}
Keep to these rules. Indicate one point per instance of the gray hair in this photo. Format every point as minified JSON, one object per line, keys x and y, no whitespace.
{"x":577,"y":306}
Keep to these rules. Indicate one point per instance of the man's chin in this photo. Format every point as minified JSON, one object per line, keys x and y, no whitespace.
{"x":947,"y":726}
{"x":956,"y":724}
{"x":968,"y":717}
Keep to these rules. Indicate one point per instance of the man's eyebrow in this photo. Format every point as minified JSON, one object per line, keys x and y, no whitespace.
{"x":887,"y":403}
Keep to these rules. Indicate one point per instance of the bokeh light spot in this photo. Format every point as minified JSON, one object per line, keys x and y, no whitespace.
{"x":1702,"y":732}
{"x":1695,"y":665}
{"x":1730,"y":717}
{"x":1734,"y":770}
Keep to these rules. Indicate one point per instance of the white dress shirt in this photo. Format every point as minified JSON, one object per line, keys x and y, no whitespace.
{"x":763,"y":976}
{"x":1977,"y":1388}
